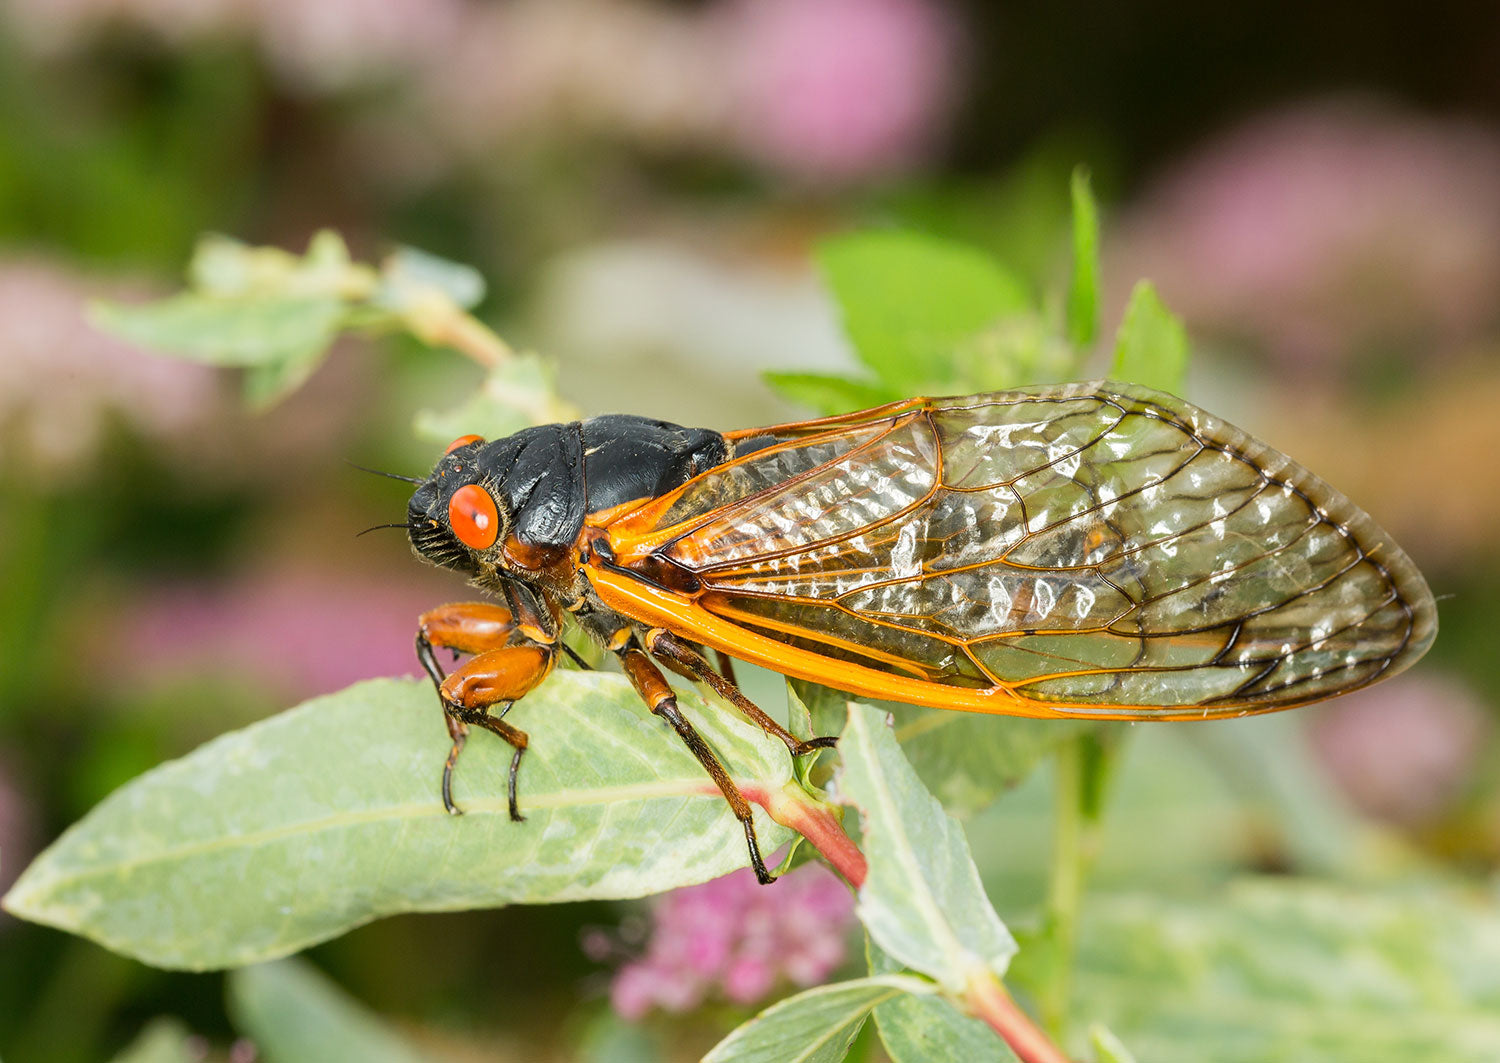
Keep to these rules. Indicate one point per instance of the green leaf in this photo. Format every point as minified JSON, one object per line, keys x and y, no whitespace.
{"x":164,"y":1040}
{"x":1083,"y":292}
{"x":262,"y":330}
{"x":1107,"y":1047}
{"x":969,"y":760}
{"x":607,"y":1038}
{"x":409,"y":275}
{"x":828,"y":394}
{"x":266,"y":385}
{"x":296,"y":1015}
{"x":326,"y":816}
{"x":1016,"y":351}
{"x":921,"y":1029}
{"x":815,"y":1026}
{"x":922,"y":902}
{"x":1282,"y":970}
{"x":909,"y":301}
{"x":514,"y":395}
{"x":827,"y":709}
{"x":1151,"y":347}
{"x":228,"y":268}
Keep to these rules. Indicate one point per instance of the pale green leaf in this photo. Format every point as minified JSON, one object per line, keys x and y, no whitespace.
{"x":294,"y":1014}
{"x":923,"y":1029}
{"x":815,"y":1026}
{"x":968,"y":760}
{"x":909,"y":301}
{"x":923,"y":902}
{"x":225,"y":267}
{"x":1281,"y":971}
{"x":164,"y":1040}
{"x":266,"y":385}
{"x":1015,"y":351}
{"x":1107,"y":1047}
{"x":409,"y":275}
{"x":827,"y":709}
{"x":1083,"y":291}
{"x":516,"y":394}
{"x":1151,"y":347}
{"x":607,"y":1038}
{"x":326,"y":816}
{"x":259,"y":330}
{"x":828,"y":394}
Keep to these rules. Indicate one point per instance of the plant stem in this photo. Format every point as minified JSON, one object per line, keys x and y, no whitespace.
{"x":819,"y":824}
{"x":987,"y":1000}
{"x":439,"y":322}
{"x":985,"y":997}
{"x":1065,"y":887}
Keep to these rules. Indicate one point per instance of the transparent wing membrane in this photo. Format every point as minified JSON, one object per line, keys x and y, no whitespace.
{"x":1095,"y":547}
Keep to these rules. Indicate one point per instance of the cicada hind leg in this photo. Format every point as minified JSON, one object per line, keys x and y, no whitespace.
{"x":653,"y":689}
{"x":509,"y":659}
{"x":689,"y":663}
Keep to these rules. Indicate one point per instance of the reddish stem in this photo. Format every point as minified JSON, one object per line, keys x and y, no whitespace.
{"x":985,"y":997}
{"x":988,"y":1000}
{"x":817,"y":823}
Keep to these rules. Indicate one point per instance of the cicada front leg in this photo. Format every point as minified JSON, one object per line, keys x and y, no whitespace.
{"x":509,"y":660}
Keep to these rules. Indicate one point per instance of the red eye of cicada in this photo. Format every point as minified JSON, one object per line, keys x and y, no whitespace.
{"x":463,"y":441}
{"x":473,"y":517}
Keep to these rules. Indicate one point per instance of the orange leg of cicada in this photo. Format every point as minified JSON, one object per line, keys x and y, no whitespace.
{"x":653,"y":689}
{"x":509,"y":660}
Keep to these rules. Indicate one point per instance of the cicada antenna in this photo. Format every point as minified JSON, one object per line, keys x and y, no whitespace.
{"x":382,"y":472}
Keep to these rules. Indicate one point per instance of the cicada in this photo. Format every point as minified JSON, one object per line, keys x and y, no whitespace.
{"x":1093,"y":550}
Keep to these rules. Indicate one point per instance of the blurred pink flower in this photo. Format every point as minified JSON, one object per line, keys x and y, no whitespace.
{"x":1327,"y":231}
{"x":823,"y":90}
{"x":736,"y":938}
{"x":17,"y":830}
{"x":1404,"y":750}
{"x":299,"y":631}
{"x":327,"y":45}
{"x":838,"y":89}
{"x":319,"y":46}
{"x":61,"y":379}
{"x":832,"y":90}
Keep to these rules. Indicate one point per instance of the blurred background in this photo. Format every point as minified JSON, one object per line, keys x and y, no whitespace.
{"x":1317,"y":192}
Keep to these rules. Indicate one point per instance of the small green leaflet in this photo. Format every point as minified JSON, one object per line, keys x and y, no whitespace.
{"x":292,"y":1012}
{"x":1151,"y":347}
{"x":923,"y":902}
{"x":909,"y":302}
{"x":815,"y":1026}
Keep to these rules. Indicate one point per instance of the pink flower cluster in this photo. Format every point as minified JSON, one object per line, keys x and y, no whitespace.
{"x":1327,"y":231}
{"x":17,"y":830}
{"x":736,"y":938}
{"x":299,"y":629}
{"x":314,"y":47}
{"x":1405,"y":750}
{"x":837,"y":89}
{"x":815,"y":90}
{"x":61,"y":379}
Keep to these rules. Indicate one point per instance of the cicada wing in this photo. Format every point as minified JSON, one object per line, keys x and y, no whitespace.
{"x":1097,"y":548}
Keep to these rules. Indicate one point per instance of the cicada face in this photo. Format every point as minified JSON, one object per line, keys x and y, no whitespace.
{"x":457,"y":515}
{"x":1090,"y":549}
